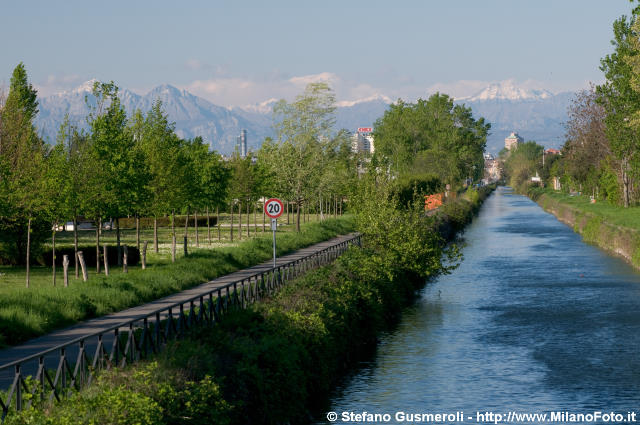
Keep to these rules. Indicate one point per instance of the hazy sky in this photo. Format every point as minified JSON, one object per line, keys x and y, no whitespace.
{"x":241,"y":52}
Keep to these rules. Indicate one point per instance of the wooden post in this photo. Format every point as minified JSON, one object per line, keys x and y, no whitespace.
{"x":248,"y":221}
{"x":106,"y":260}
{"x":173,"y":249}
{"x":255,"y":221}
{"x":185,"y":247}
{"x":125,"y":259}
{"x":85,"y":277}
{"x":144,"y":255}
{"x":28,"y":250}
{"x":287,"y":202}
{"x":264,"y":219}
{"x":65,"y":270}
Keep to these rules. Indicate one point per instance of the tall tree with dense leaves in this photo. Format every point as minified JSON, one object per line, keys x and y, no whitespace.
{"x":22,"y":156}
{"x":621,"y":102}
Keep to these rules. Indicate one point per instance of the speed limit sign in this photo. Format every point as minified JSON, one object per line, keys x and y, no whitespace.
{"x":273,"y":208}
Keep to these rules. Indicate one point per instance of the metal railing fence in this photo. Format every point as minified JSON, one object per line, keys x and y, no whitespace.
{"x":138,"y":338}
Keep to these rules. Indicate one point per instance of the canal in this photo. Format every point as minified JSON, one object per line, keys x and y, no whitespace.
{"x":532,"y":321}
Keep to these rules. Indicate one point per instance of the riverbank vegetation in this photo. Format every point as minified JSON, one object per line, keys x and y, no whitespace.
{"x":601,"y":154}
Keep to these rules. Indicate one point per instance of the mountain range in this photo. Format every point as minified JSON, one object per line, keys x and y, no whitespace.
{"x":535,"y":114}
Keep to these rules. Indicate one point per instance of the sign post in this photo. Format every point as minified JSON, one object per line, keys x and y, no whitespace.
{"x":273,"y":209}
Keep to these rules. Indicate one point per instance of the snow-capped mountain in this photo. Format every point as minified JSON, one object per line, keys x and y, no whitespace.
{"x":535,"y":114}
{"x":193,"y":115}
{"x":507,"y":90}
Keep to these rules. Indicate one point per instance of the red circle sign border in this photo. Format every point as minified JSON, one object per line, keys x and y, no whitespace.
{"x":270,"y":201}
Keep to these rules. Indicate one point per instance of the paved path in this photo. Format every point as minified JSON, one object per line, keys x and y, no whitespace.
{"x":93,"y":326}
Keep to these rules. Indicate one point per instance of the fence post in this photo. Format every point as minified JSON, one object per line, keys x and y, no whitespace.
{"x":144,"y":255}
{"x":125,"y":259}
{"x":185,"y":246}
{"x":173,"y":249}
{"x":106,"y":260}
{"x":65,"y":270}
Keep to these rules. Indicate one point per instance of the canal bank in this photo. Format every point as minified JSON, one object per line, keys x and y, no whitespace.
{"x":618,"y":240}
{"x":275,"y":362}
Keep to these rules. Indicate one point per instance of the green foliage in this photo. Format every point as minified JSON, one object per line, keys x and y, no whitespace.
{"x":522,"y":163}
{"x":411,"y":189}
{"x":432,"y":136}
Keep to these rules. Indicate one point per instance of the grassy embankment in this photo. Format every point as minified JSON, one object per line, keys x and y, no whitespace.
{"x":278,"y":360}
{"x":610,"y":227}
{"x":26,"y":313}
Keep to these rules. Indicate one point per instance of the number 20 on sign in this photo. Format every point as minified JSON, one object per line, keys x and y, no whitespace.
{"x":273,"y":209}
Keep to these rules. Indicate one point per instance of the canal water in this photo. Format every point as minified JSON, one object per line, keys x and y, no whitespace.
{"x":532,"y":321}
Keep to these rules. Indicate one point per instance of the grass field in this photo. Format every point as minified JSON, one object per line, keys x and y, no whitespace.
{"x":612,"y":214}
{"x":26,"y":313}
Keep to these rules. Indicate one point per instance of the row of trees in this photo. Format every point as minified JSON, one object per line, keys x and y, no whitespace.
{"x":601,"y":154}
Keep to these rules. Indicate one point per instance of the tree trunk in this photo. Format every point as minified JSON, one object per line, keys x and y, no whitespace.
{"x":186,"y":224}
{"x":53,"y":251}
{"x":239,"y":221}
{"x":255,"y":221}
{"x":288,"y":222}
{"x":231,"y":232}
{"x":208,"y":227}
{"x":98,"y":245}
{"x":155,"y":234}
{"x":75,"y":244}
{"x":118,"y":241}
{"x":248,"y":219}
{"x":298,"y":216}
{"x":186,"y":252}
{"x":173,"y":222}
{"x":264,"y":220}
{"x":218,"y":221}
{"x":173,"y":248}
{"x":28,"y":249}
{"x":195,"y":221}
{"x":138,"y":232}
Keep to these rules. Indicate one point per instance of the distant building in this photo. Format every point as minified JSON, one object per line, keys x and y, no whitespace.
{"x":552,"y":151}
{"x":241,"y":144}
{"x":512,"y":141}
{"x":362,"y":141}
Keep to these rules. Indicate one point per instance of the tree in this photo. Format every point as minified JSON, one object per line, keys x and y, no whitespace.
{"x":432,"y":136}
{"x":621,"y":102}
{"x":302,"y":128}
{"x":22,"y":155}
{"x":121,"y":164}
